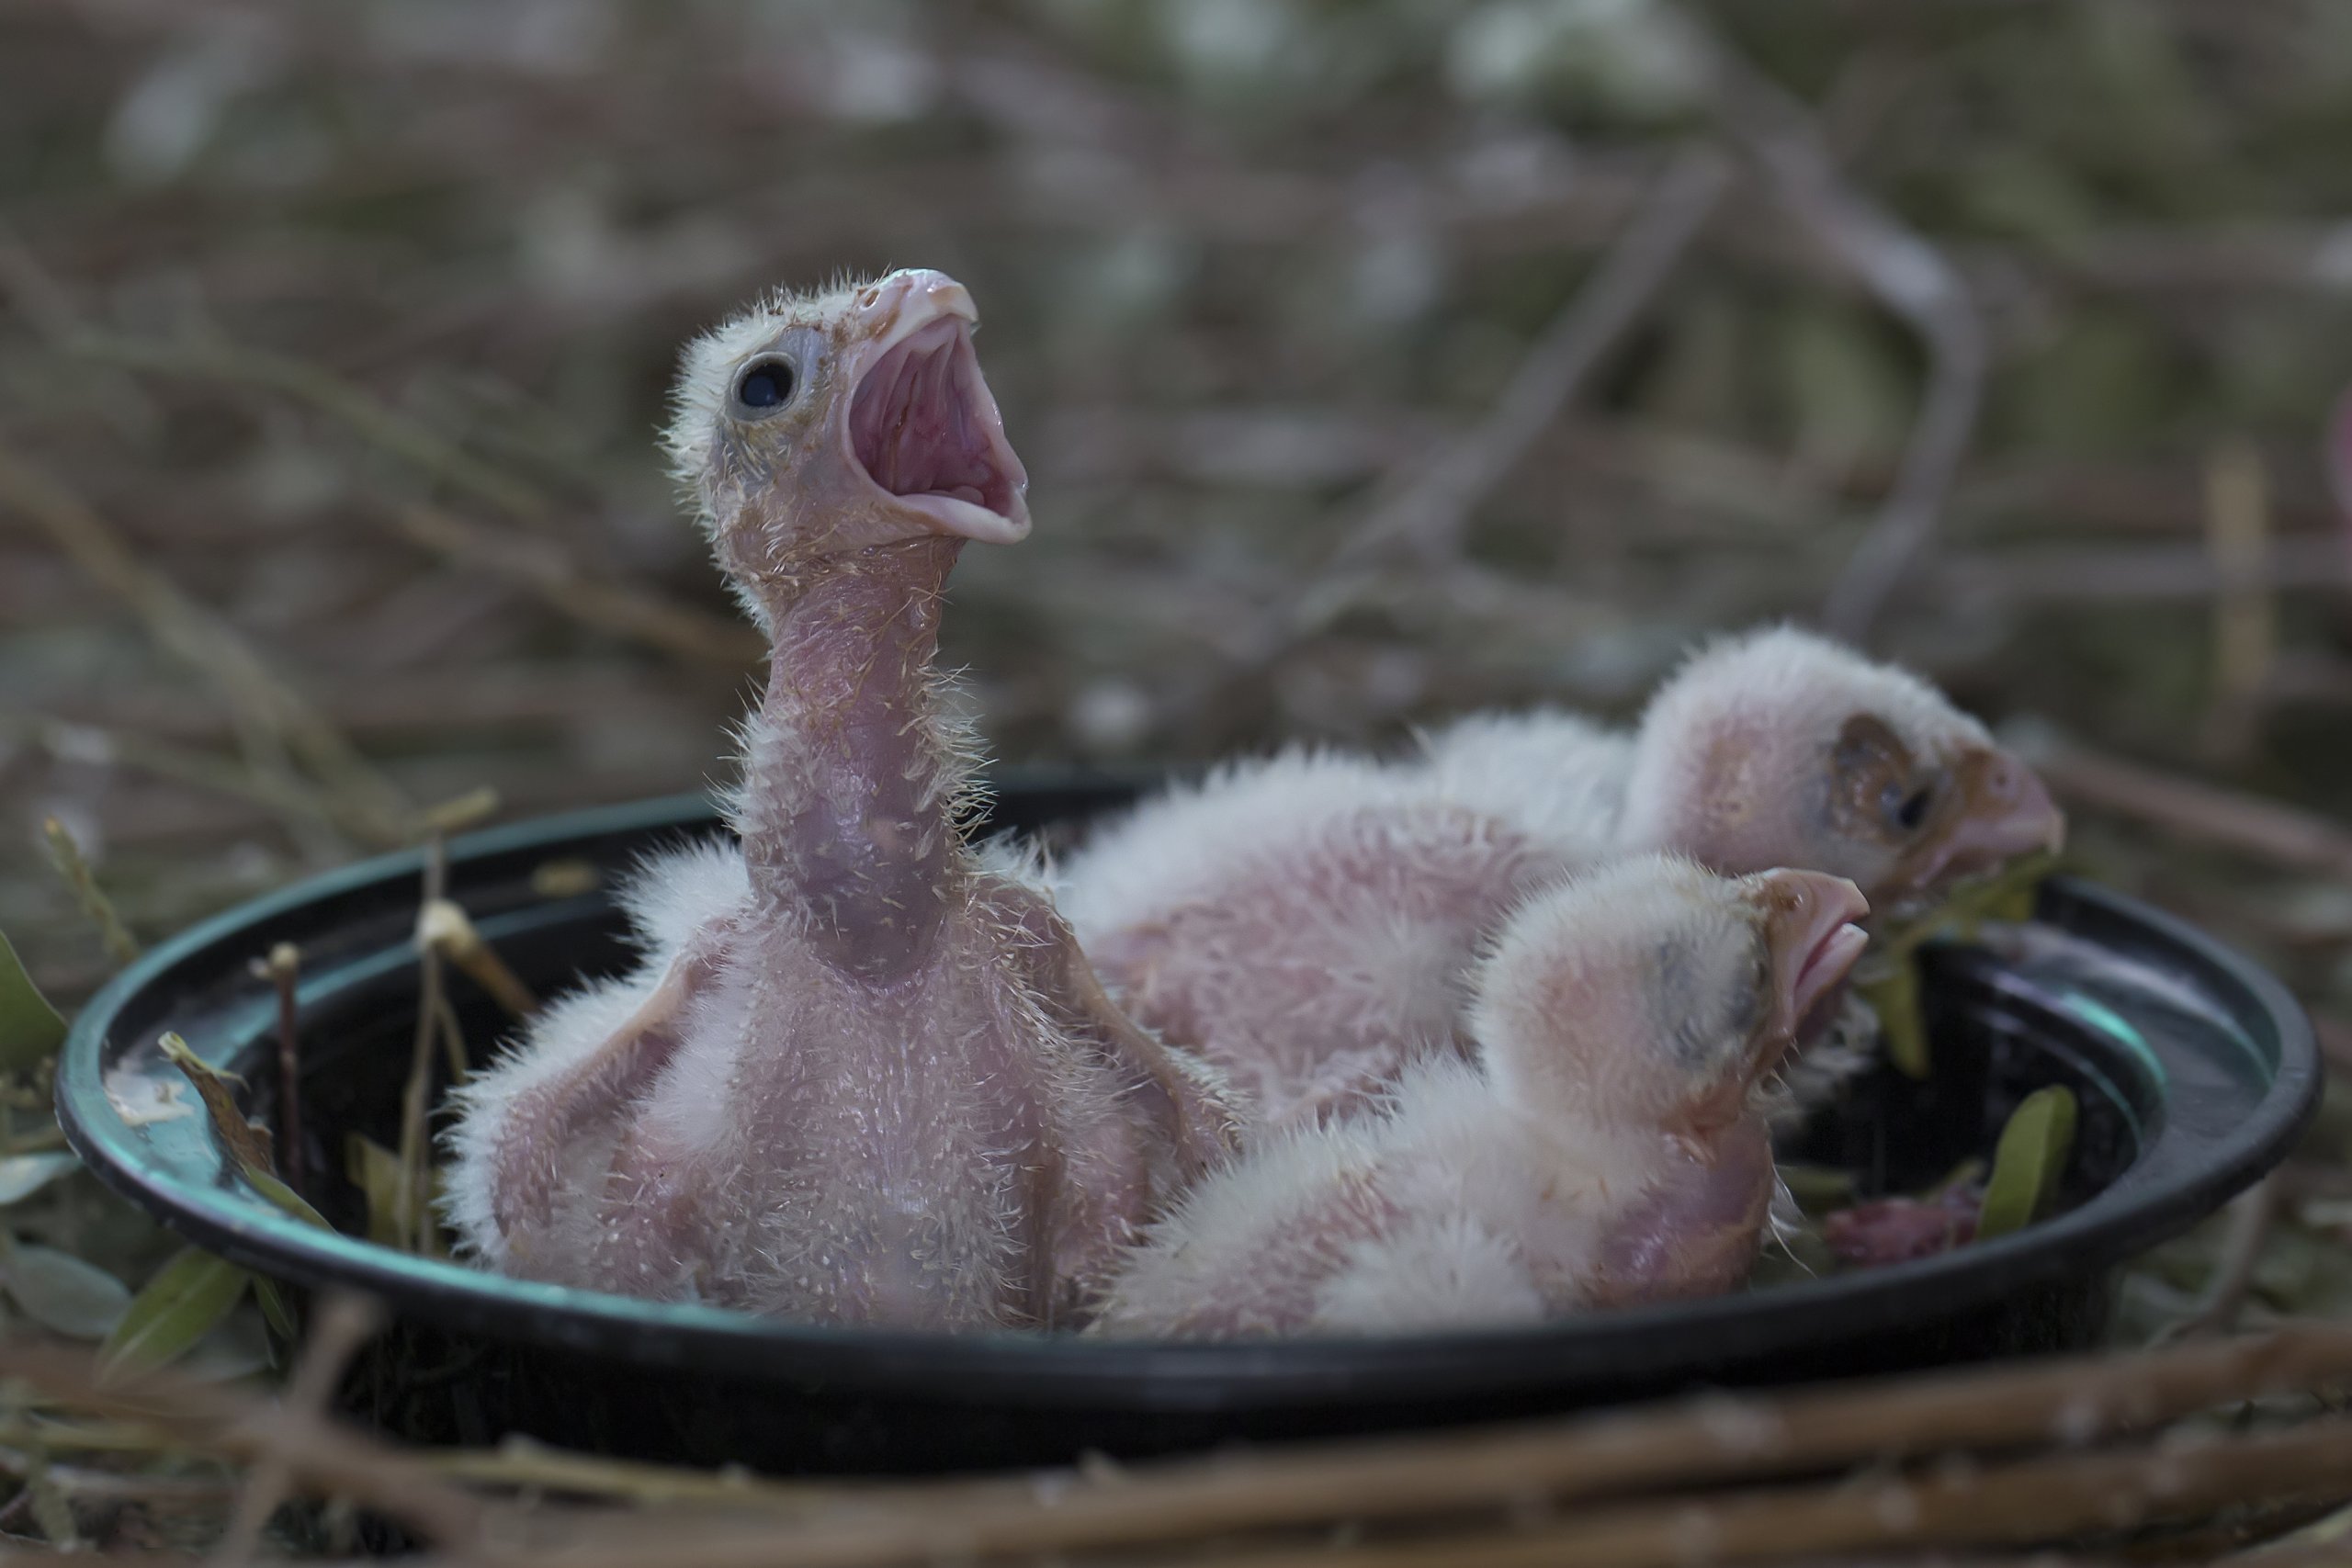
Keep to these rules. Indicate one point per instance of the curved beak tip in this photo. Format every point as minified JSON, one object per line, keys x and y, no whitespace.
{"x":2007,"y":811}
{"x":1812,"y":931}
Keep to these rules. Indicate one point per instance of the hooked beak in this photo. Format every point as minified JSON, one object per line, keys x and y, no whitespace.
{"x":1813,"y":941}
{"x":1811,"y":944}
{"x":923,"y":426}
{"x":2002,"y":810}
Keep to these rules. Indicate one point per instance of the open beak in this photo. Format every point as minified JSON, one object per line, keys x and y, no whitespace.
{"x":1814,"y":943}
{"x":1811,"y":944}
{"x":2001,"y":810}
{"x":922,"y":426}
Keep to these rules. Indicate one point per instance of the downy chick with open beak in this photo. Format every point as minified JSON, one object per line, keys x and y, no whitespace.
{"x":1607,"y":1145}
{"x":1308,"y":922}
{"x":859,"y":1079}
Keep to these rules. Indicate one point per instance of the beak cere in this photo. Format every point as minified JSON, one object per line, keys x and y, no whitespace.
{"x":2004,"y":811}
{"x":925,"y":429}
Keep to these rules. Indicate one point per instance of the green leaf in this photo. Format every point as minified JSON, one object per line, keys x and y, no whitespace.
{"x":1889,"y":980}
{"x":273,"y":1309}
{"x":2027,"y":1162}
{"x":64,"y":1294}
{"x":1967,"y":1173}
{"x":1817,"y":1189}
{"x":30,"y":1030}
{"x":52,"y":1512}
{"x":247,"y":1142}
{"x":284,"y":1197}
{"x":1902,"y":1022}
{"x":237,"y":1348}
{"x":21,"y":1175}
{"x":376,"y":1171}
{"x":179,"y":1306}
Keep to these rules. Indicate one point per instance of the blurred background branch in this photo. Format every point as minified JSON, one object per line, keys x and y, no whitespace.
{"x":1372,"y":361}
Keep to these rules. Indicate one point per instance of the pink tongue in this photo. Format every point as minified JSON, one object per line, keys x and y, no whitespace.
{"x":915,"y":432}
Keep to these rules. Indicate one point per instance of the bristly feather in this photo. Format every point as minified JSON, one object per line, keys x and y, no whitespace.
{"x":700,"y":394}
{"x":749,"y":1119}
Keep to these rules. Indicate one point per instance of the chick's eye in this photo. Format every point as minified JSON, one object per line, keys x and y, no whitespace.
{"x":764,"y":386}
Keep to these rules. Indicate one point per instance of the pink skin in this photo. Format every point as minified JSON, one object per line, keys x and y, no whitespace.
{"x":1317,"y":959}
{"x":1839,"y":789}
{"x":885,"y":1089}
{"x":1608,"y":1148}
{"x":1698,"y":1231}
{"x":1304,"y":1007}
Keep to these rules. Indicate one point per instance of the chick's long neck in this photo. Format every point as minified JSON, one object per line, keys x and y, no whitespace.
{"x":848,"y":787}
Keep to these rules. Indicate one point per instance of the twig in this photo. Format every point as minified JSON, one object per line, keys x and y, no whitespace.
{"x":2143,"y":574}
{"x":453,"y":1040}
{"x":2038,"y":1500}
{"x":2302,"y":1180}
{"x":2216,"y":1312}
{"x":2325,"y":1540}
{"x":2245,"y":617}
{"x":343,"y":1325}
{"x":460,"y":813}
{"x":366,"y":802}
{"x":74,"y":867}
{"x":215,"y":1419}
{"x":545,"y":570}
{"x":283,"y":970}
{"x":2276,"y":832}
{"x":112,"y":1485}
{"x":1907,"y":274}
{"x":1430,"y":506}
{"x":216,"y":359}
{"x":520,"y":1461}
{"x":248,"y":1143}
{"x":444,"y":927}
{"x":276,"y":794}
{"x":414,"y":1216}
{"x":2335,"y":1041}
{"x":1685,"y":1443}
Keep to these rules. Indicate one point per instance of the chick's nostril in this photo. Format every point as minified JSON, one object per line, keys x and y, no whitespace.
{"x":880,"y":301}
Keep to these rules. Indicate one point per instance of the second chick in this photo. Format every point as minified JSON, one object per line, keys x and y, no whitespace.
{"x":1606,"y":1147}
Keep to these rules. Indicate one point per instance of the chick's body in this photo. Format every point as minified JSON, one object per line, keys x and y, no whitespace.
{"x":1602,"y":1150}
{"x":1305,"y":923}
{"x":812,"y":1148}
{"x":1308,"y":922}
{"x":860,"y":1077}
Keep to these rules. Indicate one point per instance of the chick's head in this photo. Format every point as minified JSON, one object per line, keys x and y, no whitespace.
{"x":819,"y":424}
{"x":1654,"y":992}
{"x":1782,"y":748}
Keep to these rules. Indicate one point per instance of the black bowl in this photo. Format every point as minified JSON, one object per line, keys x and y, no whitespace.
{"x":2195,"y":1072}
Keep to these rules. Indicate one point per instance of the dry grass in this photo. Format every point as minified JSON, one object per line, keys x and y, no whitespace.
{"x":1372,"y":361}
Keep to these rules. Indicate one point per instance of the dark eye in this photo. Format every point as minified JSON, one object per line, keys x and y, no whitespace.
{"x":764,"y":386}
{"x":1912,"y":809}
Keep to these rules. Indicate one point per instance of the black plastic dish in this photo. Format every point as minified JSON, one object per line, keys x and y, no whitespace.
{"x":2195,"y":1070}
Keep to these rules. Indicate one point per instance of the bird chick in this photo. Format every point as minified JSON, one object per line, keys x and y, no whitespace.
{"x":1604,"y":1148}
{"x":859,"y":1076}
{"x":1307,"y":923}
{"x":1774,"y":748}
